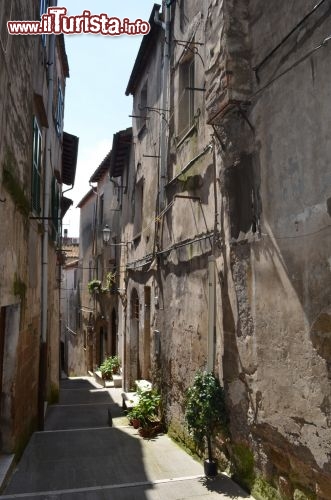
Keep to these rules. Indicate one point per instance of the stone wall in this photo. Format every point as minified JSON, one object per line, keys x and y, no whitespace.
{"x":259,"y":133}
{"x":23,"y":95}
{"x":274,"y":182}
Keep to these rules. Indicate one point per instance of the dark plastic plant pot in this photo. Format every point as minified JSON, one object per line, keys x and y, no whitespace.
{"x":210,"y":468}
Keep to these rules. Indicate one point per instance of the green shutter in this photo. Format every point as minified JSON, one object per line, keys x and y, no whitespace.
{"x":36,"y":168}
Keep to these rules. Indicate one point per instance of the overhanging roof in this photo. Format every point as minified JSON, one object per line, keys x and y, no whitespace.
{"x":102,"y":169}
{"x":146,"y":47}
{"x":122,"y":141}
{"x":65,"y":205}
{"x":69,"y":158}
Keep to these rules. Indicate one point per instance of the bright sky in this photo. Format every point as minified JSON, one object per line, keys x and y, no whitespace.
{"x":95,"y":103}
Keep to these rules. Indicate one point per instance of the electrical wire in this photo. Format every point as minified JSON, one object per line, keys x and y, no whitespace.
{"x":268,"y":56}
{"x":294,"y":65}
{"x":305,"y":235}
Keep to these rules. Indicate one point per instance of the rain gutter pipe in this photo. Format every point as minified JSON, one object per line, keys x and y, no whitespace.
{"x":44,"y":269}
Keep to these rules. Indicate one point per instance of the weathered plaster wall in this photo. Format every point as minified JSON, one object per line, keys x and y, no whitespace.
{"x":75,"y":360}
{"x":87,"y":273}
{"x":271,"y":150}
{"x":275,"y":185}
{"x":138,"y":218}
{"x":186,"y":241}
{"x":293,"y":150}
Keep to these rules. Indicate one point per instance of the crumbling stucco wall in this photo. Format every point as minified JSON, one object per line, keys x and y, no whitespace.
{"x":275,"y":186}
{"x":187,"y":227}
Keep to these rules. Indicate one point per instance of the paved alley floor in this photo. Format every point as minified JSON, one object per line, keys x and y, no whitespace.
{"x":79,"y":456}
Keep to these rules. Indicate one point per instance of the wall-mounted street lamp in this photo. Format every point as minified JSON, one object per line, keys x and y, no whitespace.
{"x":106,"y":234}
{"x":106,"y":238}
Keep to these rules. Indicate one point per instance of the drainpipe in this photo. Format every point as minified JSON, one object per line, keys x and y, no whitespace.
{"x":211,"y":313}
{"x":44,"y":269}
{"x":163,"y":140}
{"x":212,"y":281}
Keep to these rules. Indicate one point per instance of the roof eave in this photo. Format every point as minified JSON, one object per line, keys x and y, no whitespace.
{"x":142,"y":56}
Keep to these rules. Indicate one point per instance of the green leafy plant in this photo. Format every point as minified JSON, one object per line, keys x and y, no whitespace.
{"x":110,"y":280}
{"x":135,"y":416}
{"x":146,"y":410}
{"x":205,"y":409}
{"x":110,"y":366}
{"x":149,"y":402}
{"x":94,"y":286}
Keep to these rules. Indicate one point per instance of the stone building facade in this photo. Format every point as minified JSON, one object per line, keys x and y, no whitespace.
{"x":69,"y":304}
{"x":99,"y":265}
{"x":228,"y":178}
{"x":83,"y":359}
{"x":36,"y":158}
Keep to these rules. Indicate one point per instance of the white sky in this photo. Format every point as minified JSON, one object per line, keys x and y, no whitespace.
{"x":95,"y":103}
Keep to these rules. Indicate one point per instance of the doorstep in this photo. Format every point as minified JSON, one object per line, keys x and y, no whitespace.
{"x":117,"y":380}
{"x":7,"y":463}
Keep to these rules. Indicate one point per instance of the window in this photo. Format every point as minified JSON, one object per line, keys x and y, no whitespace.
{"x":142,"y":107}
{"x":59,"y":109}
{"x":186,"y":96}
{"x":36,"y":168}
{"x":43,"y":10}
{"x":138,"y":208}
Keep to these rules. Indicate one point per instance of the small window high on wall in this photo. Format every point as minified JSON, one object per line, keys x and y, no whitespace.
{"x":186,"y":96}
{"x":142,"y":107}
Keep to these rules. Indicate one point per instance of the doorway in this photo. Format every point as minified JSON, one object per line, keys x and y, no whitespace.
{"x":113,"y":340}
{"x":135,"y":367}
{"x":2,"y":347}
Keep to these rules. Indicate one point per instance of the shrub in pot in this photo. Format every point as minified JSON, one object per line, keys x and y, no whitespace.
{"x":135,"y":417}
{"x":205,"y":414}
{"x":110,"y":366}
{"x":146,"y":410}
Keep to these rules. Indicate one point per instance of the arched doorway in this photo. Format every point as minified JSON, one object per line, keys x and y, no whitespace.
{"x":135,"y":369}
{"x":113,"y":339}
{"x":102,"y":340}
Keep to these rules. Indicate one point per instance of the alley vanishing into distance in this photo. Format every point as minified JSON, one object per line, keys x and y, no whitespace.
{"x":79,"y":456}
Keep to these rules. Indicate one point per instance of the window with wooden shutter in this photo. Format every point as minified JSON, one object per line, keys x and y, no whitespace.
{"x":36,"y":168}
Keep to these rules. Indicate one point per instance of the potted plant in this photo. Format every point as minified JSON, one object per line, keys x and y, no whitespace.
{"x":109,"y":367}
{"x":146,"y":411}
{"x":135,"y":417}
{"x":205,"y":414}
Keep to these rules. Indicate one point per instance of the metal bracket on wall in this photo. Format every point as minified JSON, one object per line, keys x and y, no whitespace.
{"x":187,"y":46}
{"x":161,"y":112}
{"x":45,"y":218}
{"x":198,"y":89}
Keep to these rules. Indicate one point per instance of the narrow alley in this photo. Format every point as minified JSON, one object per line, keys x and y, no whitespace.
{"x":79,"y":456}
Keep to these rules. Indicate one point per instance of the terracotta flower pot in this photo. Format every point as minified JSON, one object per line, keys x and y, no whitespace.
{"x":146,"y":432}
{"x":135,"y":423}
